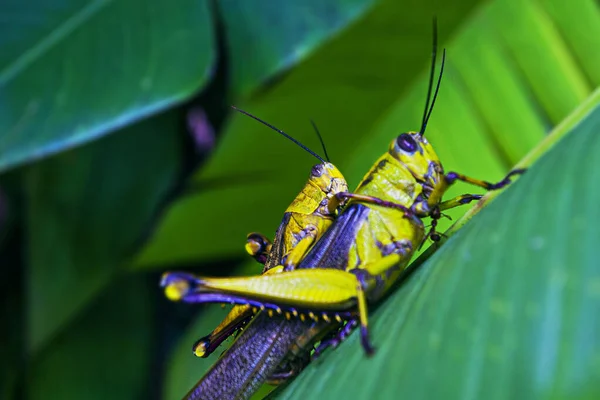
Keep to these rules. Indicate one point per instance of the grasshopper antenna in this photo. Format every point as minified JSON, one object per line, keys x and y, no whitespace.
{"x":437,"y":88}
{"x":428,"y":108}
{"x":309,"y":151}
{"x":320,"y":139}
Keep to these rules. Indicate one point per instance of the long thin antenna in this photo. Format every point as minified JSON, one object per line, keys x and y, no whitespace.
{"x":437,"y":88}
{"x":281,"y":133}
{"x":431,"y":74}
{"x":320,"y":139}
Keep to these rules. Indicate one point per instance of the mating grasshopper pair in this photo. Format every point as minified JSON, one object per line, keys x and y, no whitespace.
{"x":325,"y":285}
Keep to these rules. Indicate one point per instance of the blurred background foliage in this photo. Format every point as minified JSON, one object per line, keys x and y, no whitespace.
{"x":120,"y":157}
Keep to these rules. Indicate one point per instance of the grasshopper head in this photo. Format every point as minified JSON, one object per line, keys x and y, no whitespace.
{"x":414,"y":151}
{"x":330,"y":181}
{"x":324,"y":183}
{"x":327,"y":177}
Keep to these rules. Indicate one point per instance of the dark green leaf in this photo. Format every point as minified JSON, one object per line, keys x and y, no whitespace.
{"x":264,"y":37}
{"x":105,"y":354}
{"x":87,"y":210}
{"x":72,"y":71}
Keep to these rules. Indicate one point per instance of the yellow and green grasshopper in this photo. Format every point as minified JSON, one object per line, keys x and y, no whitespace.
{"x":304,"y":222}
{"x":355,"y":262}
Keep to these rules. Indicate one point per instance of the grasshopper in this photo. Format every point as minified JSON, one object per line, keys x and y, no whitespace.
{"x":305,"y":220}
{"x":354,"y":263}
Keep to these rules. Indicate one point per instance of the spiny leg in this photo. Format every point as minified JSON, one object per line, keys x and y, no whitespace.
{"x":458,"y":201}
{"x":463,"y":199}
{"x":335,"y":340}
{"x":235,"y":320}
{"x":452,"y":177}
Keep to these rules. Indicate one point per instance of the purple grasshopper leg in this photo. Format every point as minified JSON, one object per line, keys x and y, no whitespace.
{"x":333,"y":342}
{"x":452,"y":177}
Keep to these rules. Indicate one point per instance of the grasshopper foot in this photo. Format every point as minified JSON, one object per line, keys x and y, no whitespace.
{"x":366,"y":342}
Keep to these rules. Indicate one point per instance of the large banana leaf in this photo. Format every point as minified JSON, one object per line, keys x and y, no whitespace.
{"x":72,"y":71}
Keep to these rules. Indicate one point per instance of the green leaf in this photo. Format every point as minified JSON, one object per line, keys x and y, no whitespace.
{"x":105,"y":354}
{"x":582,"y":14}
{"x":509,"y":305}
{"x":265,"y":36}
{"x":87,"y":210}
{"x":72,"y":71}
{"x":541,"y":56}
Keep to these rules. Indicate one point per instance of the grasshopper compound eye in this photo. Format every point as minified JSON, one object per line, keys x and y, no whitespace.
{"x":317,"y":170}
{"x":407,"y":143}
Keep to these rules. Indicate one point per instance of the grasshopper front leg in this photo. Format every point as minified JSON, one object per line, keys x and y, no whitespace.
{"x":423,"y":208}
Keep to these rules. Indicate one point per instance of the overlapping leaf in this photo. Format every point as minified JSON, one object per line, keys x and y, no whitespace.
{"x":72,"y":71}
{"x":87,"y":210}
